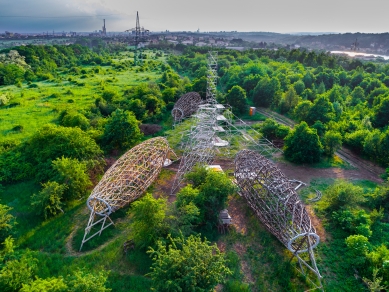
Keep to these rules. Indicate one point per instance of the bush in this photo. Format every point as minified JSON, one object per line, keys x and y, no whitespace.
{"x":185,"y":264}
{"x":342,"y":195}
{"x":302,"y":145}
{"x":72,"y":174}
{"x":43,"y":285}
{"x":18,"y":128}
{"x":53,"y":142}
{"x":121,"y":131}
{"x":148,"y":215}
{"x":15,"y":273}
{"x":7,"y":221}
{"x":48,"y":201}
{"x":74,"y":119}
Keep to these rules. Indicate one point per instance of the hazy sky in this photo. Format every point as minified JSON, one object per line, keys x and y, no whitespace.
{"x":208,"y":15}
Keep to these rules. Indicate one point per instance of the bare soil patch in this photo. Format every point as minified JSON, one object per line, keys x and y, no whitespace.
{"x":306,"y":173}
{"x":316,"y":222}
{"x":238,"y":215}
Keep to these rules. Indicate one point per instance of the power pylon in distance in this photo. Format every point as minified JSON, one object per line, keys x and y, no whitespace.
{"x":140,"y":36}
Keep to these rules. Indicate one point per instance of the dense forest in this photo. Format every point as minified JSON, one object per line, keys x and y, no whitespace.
{"x":68,"y":112}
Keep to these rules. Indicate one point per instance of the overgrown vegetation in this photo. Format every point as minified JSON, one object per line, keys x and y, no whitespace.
{"x":67,"y":111}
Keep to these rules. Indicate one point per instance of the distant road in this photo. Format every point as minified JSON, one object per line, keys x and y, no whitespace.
{"x":344,"y":153}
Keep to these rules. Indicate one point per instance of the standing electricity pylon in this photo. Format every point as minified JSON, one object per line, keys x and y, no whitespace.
{"x":212,"y":78}
{"x":355,"y":45}
{"x":140,"y":36}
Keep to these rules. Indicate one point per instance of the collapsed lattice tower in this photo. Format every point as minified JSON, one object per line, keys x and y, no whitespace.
{"x":125,"y":181}
{"x":274,"y":200}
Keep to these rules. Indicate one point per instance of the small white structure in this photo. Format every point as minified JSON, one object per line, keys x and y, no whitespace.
{"x":224,"y":217}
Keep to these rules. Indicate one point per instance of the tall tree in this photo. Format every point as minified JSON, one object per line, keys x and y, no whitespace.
{"x":265,"y":92}
{"x":148,"y":215}
{"x":122,"y":130}
{"x":322,"y":110}
{"x":236,"y":97}
{"x":302,"y":145}
{"x":381,"y":113}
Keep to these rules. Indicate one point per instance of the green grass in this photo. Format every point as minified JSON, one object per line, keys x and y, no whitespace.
{"x":256,"y":117}
{"x":334,"y":161}
{"x":34,"y":107}
{"x":265,"y":259}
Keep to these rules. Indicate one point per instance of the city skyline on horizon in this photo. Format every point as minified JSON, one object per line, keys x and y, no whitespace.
{"x":278,"y":16}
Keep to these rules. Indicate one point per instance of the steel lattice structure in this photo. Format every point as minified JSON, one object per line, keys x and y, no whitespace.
{"x":274,"y":200}
{"x":212,"y":123}
{"x":212,"y":77}
{"x":125,"y":181}
{"x":186,"y":105}
{"x":199,"y":148}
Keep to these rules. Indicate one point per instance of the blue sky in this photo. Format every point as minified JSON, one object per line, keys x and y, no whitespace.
{"x":208,"y":15}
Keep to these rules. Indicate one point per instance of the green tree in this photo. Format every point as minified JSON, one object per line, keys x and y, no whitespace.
{"x":200,"y":86}
{"x":302,"y":145}
{"x":299,"y":87}
{"x":332,"y":142}
{"x":357,"y":96}
{"x":148,"y":220}
{"x":375,"y":285}
{"x":81,"y":281}
{"x":342,"y":195}
{"x":322,"y":88}
{"x":7,"y":221}
{"x":322,"y":110}
{"x":302,"y":109}
{"x":187,"y":265}
{"x":308,"y":79}
{"x":74,"y":119}
{"x":289,"y":100}
{"x":236,"y":97}
{"x":72,"y":174}
{"x":356,"y":139}
{"x":52,"y":142}
{"x":186,"y":213}
{"x":48,"y":201}
{"x":46,"y":285}
{"x":272,"y":130}
{"x":15,"y":273}
{"x":214,"y":191}
{"x":265,"y":92}
{"x":122,"y":130}
{"x":381,"y":113}
{"x":358,"y":246}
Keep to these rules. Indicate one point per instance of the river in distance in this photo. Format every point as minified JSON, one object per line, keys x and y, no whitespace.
{"x":356,"y":54}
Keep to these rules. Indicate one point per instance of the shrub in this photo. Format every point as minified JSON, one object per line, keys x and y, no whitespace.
{"x":72,"y":174}
{"x":148,"y":215}
{"x":187,"y":263}
{"x":342,"y":195}
{"x":48,"y":201}
{"x":18,"y":128}
{"x":307,"y":152}
{"x":122,"y":130}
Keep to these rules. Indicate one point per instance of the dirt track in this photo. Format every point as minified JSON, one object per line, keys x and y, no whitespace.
{"x":364,"y":169}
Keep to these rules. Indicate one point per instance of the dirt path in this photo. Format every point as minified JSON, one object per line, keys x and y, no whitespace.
{"x":367,"y":169}
{"x":71,"y":252}
{"x":306,"y":173}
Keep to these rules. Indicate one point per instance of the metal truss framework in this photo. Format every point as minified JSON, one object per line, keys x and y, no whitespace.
{"x":215,"y":126}
{"x":186,"y":105}
{"x":125,"y":181}
{"x":212,"y":77}
{"x":199,"y":148}
{"x":274,"y":200}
